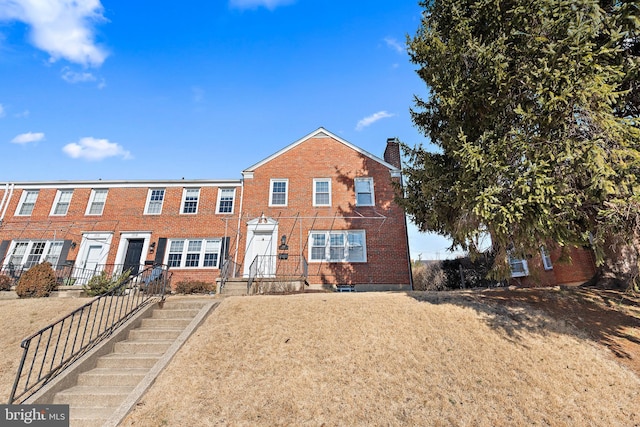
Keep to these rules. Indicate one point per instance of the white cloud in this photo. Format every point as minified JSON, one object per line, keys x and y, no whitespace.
{"x":254,"y":4}
{"x":367,"y":121}
{"x":62,"y":28}
{"x":25,"y":138}
{"x":22,"y":115}
{"x":394,"y":44}
{"x":89,"y":148}
{"x":1,"y":111}
{"x":71,"y":76}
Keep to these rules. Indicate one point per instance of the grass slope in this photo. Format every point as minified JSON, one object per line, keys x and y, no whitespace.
{"x":388,"y":359}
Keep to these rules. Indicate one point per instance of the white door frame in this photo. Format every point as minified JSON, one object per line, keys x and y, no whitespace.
{"x":124,"y":243}
{"x":93,"y":239}
{"x":261,"y":225}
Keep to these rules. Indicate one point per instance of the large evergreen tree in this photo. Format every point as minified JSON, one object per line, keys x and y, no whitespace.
{"x":533,"y":106}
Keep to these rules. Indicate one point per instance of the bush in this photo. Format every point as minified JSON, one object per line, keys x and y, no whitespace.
{"x":5,"y":282}
{"x":103,"y":282}
{"x":429,"y":276}
{"x":194,"y":287}
{"x":37,"y":282}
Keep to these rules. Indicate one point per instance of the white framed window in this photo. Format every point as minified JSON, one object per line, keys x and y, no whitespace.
{"x":194,"y":253}
{"x":28,"y":253}
{"x":27,"y":202}
{"x":61,"y":202}
{"x":321,"y":192}
{"x":519,"y":267}
{"x":338,"y":246}
{"x":546,"y":258}
{"x":155,"y":200}
{"x":190,"y":198}
{"x":279,"y":192}
{"x":226,"y":197}
{"x":364,"y":192}
{"x":96,"y":201}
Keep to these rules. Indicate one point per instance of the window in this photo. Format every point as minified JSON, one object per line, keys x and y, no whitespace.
{"x":546,"y":258}
{"x":27,"y":202}
{"x":61,"y":202}
{"x":155,"y":199}
{"x":190,"y":198}
{"x":518,"y":266}
{"x":194,"y":253}
{"x":96,"y":202}
{"x":337,"y":246}
{"x":364,"y":191}
{"x":30,"y":253}
{"x":278,"y":192}
{"x":321,"y":192}
{"x":225,"y":200}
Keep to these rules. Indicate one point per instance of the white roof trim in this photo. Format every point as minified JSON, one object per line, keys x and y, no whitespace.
{"x":317,"y":133}
{"x":127,"y":183}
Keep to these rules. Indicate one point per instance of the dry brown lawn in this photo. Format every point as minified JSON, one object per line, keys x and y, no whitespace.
{"x":20,"y":318}
{"x":389,"y":359}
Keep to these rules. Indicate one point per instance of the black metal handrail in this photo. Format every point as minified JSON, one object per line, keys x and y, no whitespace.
{"x":281,"y":267}
{"x":68,"y":274}
{"x":229,"y":269}
{"x":53,"y":348}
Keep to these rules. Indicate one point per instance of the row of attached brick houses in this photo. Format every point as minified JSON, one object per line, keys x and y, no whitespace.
{"x":320,"y":199}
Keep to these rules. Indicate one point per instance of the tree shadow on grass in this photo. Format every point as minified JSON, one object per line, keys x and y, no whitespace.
{"x":606,"y":317}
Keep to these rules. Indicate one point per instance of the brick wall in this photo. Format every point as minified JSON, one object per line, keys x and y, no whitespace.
{"x":384,"y":223}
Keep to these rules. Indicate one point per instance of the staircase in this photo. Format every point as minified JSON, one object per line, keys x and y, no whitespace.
{"x":235,"y":286}
{"x":104,"y":394}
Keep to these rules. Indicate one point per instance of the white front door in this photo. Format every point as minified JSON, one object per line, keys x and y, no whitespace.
{"x":94,"y":253}
{"x":262,"y":237}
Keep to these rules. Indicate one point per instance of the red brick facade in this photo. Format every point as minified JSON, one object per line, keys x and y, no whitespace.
{"x":574,"y":268}
{"x":376,"y":236}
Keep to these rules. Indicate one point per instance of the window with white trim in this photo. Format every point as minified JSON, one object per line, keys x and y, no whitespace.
{"x":61,"y":203}
{"x":27,"y":202}
{"x":546,"y":258}
{"x":32,"y":252}
{"x":337,"y":246}
{"x":225,"y":200}
{"x":190,"y":198}
{"x":278,"y":193}
{"x":155,"y":200}
{"x":97,"y":201}
{"x":194,"y":253}
{"x":364,"y":191}
{"x":321,"y":192}
{"x":519,"y":267}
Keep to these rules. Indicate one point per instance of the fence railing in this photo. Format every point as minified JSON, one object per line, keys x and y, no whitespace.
{"x":278,"y":269}
{"x":229,"y":269}
{"x":67,"y":275}
{"x":53,"y":348}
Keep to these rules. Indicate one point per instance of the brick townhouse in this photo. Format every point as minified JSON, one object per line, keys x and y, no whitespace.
{"x":320,"y":201}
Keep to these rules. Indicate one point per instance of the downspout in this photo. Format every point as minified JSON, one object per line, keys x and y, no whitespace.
{"x":4,"y":196}
{"x":235,"y":256}
{"x":4,"y":209}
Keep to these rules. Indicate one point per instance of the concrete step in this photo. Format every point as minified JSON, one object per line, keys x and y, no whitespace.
{"x":154,"y":333}
{"x":235,"y":288}
{"x":90,"y":396}
{"x":175,"y":313}
{"x":112,"y":376}
{"x":142,"y":347}
{"x":92,"y":412}
{"x":119,"y":360}
{"x":186,"y":303}
{"x":164,"y":323}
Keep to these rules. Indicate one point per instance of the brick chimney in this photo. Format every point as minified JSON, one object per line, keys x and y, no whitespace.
{"x":392,"y":152}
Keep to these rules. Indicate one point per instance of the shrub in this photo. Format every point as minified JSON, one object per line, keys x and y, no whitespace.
{"x":37,"y":282}
{"x":5,"y":282}
{"x":194,"y":287}
{"x":429,"y":276}
{"x":103,"y":282}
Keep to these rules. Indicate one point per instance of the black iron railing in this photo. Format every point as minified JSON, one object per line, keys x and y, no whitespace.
{"x":56,"y":346}
{"x":229,"y":269}
{"x":277,"y":270}
{"x":67,"y":275}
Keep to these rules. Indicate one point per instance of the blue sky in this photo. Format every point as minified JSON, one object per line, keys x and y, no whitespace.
{"x":117,"y":89}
